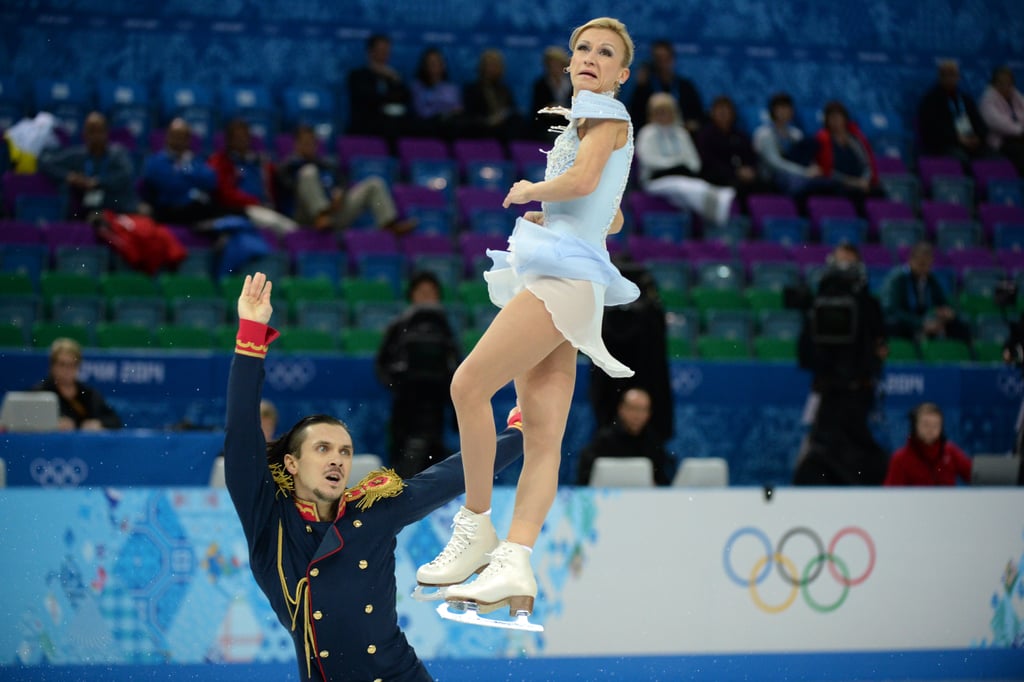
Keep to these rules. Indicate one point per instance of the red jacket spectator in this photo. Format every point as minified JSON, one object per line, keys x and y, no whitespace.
{"x":928,"y":458}
{"x":232,"y":183}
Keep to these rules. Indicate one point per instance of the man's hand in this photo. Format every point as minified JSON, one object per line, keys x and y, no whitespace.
{"x":254,"y":301}
{"x":91,"y":425}
{"x":534,"y":217}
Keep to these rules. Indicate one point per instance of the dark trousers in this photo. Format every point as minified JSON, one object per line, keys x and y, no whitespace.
{"x":417,"y":430}
{"x":842,"y":449}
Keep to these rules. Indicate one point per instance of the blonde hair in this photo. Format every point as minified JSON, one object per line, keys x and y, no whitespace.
{"x":660,"y":100}
{"x":65,"y":345}
{"x":612,"y":25}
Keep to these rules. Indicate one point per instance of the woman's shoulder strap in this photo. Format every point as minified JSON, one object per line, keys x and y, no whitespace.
{"x":589,"y":104}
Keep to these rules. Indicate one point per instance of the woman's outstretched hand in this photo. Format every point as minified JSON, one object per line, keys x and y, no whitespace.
{"x":254,"y":301}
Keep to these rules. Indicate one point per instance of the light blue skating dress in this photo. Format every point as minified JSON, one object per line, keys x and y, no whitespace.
{"x":565,"y":262}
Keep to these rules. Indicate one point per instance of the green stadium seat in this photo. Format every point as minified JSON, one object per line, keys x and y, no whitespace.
{"x":354,"y":290}
{"x":674,"y":300}
{"x":768,"y":348}
{"x":473,"y":292}
{"x":307,"y":340}
{"x":709,"y":298}
{"x":680,"y":348}
{"x":763,"y":299}
{"x":722,"y":349}
{"x":988,"y":351}
{"x":469,"y":339}
{"x":945,"y":350}
{"x":361,"y":341}
{"x":188,"y":286}
{"x":53,"y":283}
{"x":198,"y":312}
{"x":15,"y":284}
{"x":973,"y":305}
{"x":77,"y":309}
{"x":327,"y":316}
{"x":128,"y":284}
{"x":902,"y":350}
{"x":181,"y":337}
{"x":140,"y":311}
{"x":117,"y":335}
{"x":13,"y":336}
{"x":44,"y":333}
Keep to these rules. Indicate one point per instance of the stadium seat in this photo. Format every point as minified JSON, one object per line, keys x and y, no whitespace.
{"x":361,"y":341}
{"x":118,"y":335}
{"x":26,"y":259}
{"x":945,"y":351}
{"x":77,"y":309}
{"x":712,"y":298}
{"x":376,"y":315}
{"x":785,"y":230}
{"x":774,"y":276}
{"x":137,"y":311}
{"x":953,"y":189}
{"x":780,"y":324}
{"x":186,"y":286}
{"x":44,"y":333}
{"x":672,"y":227}
{"x":197,"y":312}
{"x":83,"y":259}
{"x":897,"y":233}
{"x":902,"y":350}
{"x":622,"y":472}
{"x":13,"y":335}
{"x":702,"y":472}
{"x":184,"y":337}
{"x":309,"y":340}
{"x":731,"y":325}
{"x":719,"y":275}
{"x":711,"y":348}
{"x":669,"y":275}
{"x":767,"y":348}
{"x":331,"y":265}
{"x":957,"y":234}
{"x":448,"y":268}
{"x":850,"y":230}
{"x":68,"y":100}
{"x":326,"y":316}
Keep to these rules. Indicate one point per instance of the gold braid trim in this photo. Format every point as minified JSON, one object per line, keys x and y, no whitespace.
{"x":293,"y":602}
{"x":249,"y":345}
{"x":377,"y":485}
{"x":285,"y":482}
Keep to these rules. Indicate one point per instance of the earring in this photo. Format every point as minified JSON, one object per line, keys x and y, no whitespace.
{"x":566,"y":69}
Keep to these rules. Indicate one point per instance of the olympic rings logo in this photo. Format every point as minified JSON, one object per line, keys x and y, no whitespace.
{"x":799,"y":581}
{"x":58,"y":473}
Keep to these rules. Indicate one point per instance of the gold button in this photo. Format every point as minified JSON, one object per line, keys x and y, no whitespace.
{"x":372,"y":649}
{"x":369,"y":608}
{"x":363,"y":564}
{"x":309,"y":529}
{"x":315,"y":572}
{"x":357,"y":523}
{"x":325,"y":653}
{"x":317,"y":615}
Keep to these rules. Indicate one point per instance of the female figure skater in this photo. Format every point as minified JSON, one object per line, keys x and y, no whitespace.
{"x":552,"y":285}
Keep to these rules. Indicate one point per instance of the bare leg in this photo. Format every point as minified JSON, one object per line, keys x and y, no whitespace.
{"x":519,"y":338}
{"x":545,"y":394}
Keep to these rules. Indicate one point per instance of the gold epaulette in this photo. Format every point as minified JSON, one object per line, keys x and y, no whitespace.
{"x":376,"y":485}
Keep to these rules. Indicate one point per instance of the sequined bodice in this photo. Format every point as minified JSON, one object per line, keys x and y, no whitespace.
{"x":588,"y":217}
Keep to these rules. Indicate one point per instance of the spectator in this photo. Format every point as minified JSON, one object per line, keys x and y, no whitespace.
{"x":380,"y":101}
{"x":98,"y":175}
{"x":787,"y":157}
{"x":629,"y":435}
{"x":490,"y":105}
{"x":842,"y":343}
{"x":416,"y":360}
{"x":916,"y":304}
{"x":437,"y":102}
{"x":81,"y":406}
{"x":928,"y":458}
{"x":949,"y":122}
{"x":177,"y":187}
{"x":553,"y":88}
{"x":726,"y":154}
{"x":268,"y":420}
{"x":659,"y":75}
{"x":637,"y":333}
{"x":1002,"y":109}
{"x":245,"y":180}
{"x":846,"y":157}
{"x":670,"y":165}
{"x":320,"y":198}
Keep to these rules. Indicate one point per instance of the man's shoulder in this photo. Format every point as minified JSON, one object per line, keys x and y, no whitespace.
{"x":379,"y":484}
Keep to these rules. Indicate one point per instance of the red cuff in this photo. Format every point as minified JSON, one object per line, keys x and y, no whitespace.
{"x":254,"y":338}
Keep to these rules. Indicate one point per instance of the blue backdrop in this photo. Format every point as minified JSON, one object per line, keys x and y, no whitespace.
{"x":877,"y":55}
{"x":748,"y":412}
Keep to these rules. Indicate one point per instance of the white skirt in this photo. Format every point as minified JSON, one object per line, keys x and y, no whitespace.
{"x":573,"y":278}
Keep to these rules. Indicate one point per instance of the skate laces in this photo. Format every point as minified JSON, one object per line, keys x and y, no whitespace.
{"x":498,"y":557}
{"x":464,"y":530}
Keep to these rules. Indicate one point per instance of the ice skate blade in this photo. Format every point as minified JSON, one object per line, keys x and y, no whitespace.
{"x":421,"y":592}
{"x":469,"y":616}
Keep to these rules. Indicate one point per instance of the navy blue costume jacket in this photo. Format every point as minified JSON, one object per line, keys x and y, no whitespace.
{"x":332,"y":584}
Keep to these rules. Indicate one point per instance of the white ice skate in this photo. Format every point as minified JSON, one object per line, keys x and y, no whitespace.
{"x":466,"y":553}
{"x":507,"y":581}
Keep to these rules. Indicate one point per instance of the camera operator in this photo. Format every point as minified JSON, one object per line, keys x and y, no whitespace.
{"x":843,"y":344}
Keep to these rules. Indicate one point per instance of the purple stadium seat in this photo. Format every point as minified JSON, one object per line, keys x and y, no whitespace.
{"x":811,"y":254}
{"x":190,"y":238}
{"x":985,"y":170}
{"x":349,"y":146}
{"x":410,"y":196}
{"x":35,"y":184}
{"x":763,"y":206}
{"x":20,"y":232}
{"x":975,"y":257}
{"x":70,"y":234}
{"x":419,"y":244}
{"x":763,"y":252}
{"x":640,"y":203}
{"x":473,"y":245}
{"x":647,"y":248}
{"x":311,"y":240}
{"x":819,"y":208}
{"x":472,"y":199}
{"x":934,"y":211}
{"x":1013,"y":261}
{"x":700,"y":252}
{"x":360,"y":242}
{"x":928,"y":167}
{"x":875,"y":255}
{"x":994,"y":214}
{"x":881,"y":209}
{"x":890,"y":165}
{"x":420,"y":148}
{"x":528,"y":153}
{"x":465,"y":151}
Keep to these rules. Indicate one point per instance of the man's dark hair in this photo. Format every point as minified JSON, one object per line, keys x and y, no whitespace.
{"x":777,"y":100}
{"x":235,"y":124}
{"x":304,"y":129}
{"x":421,"y":68}
{"x":835,"y":107}
{"x":419,"y":278}
{"x":375,"y":38}
{"x":665,"y":44}
{"x":291,"y":442}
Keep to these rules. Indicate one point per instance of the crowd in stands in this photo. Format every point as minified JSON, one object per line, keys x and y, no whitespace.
{"x":723,"y":212}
